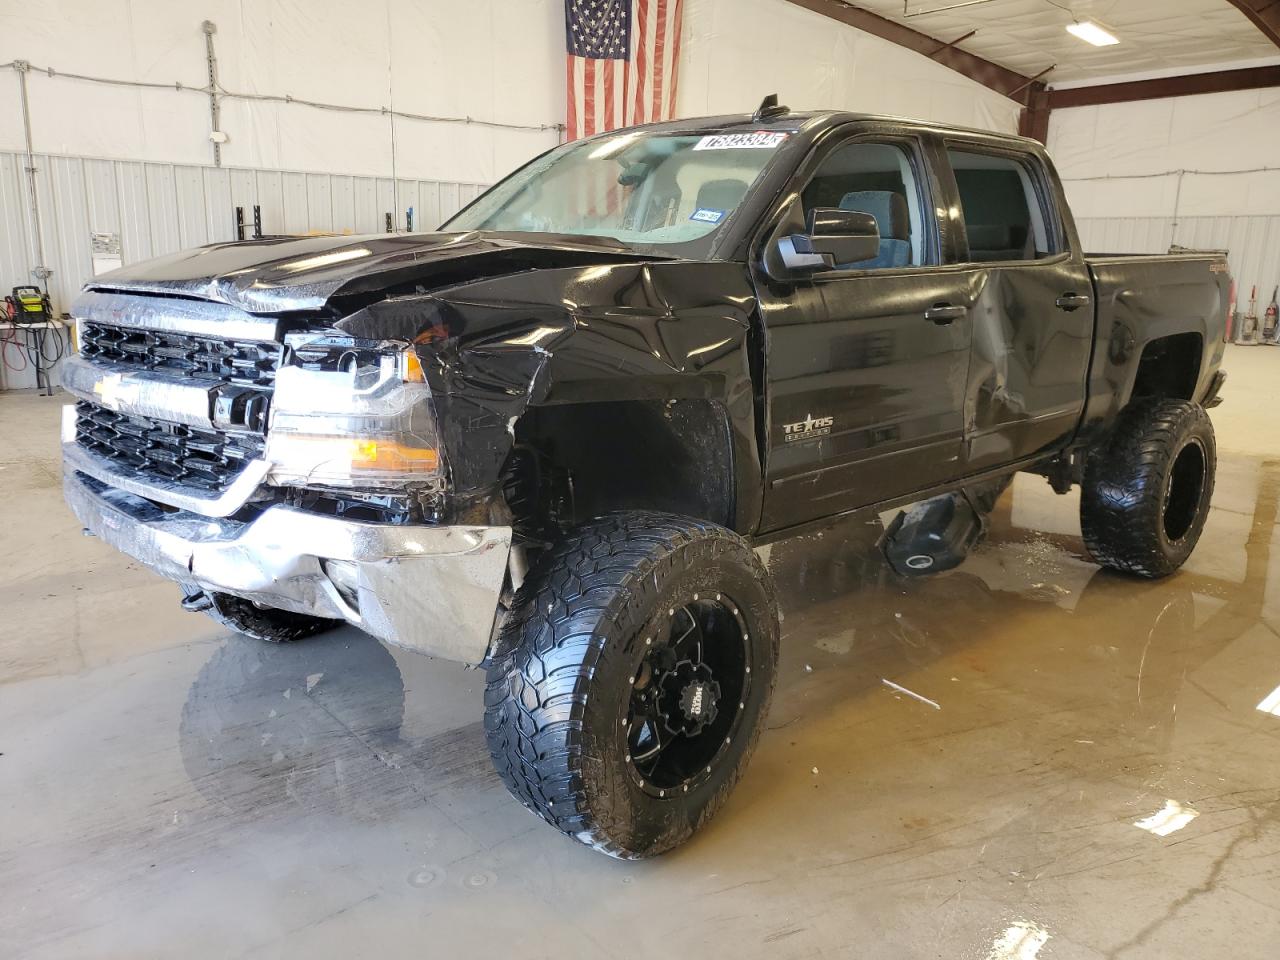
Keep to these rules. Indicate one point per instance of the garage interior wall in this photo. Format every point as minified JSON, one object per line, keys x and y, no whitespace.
{"x":736,"y":51}
{"x":1200,"y":171}
{"x":136,"y":163}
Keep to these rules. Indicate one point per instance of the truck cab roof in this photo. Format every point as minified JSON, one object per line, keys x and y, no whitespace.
{"x":811,"y":124}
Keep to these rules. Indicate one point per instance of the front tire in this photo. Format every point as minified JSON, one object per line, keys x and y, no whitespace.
{"x":632,"y":680}
{"x":1146,"y":493}
{"x":261,"y":623}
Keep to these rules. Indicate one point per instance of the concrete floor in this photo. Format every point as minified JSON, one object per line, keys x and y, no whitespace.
{"x":169,"y":790}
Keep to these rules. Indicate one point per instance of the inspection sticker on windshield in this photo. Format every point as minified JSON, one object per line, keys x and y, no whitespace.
{"x":760,"y":140}
{"x":706,"y":215}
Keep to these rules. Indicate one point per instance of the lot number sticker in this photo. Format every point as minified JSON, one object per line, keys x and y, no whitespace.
{"x":760,"y":140}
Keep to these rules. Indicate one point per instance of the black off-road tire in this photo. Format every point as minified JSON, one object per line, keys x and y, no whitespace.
{"x":1146,"y":493}
{"x":560,"y":687}
{"x":261,"y":623}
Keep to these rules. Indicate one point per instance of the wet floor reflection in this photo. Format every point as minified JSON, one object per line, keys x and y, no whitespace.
{"x":318,"y":724}
{"x":1098,"y":777}
{"x":973,"y":758}
{"x":1023,"y":600}
{"x":318,"y":727}
{"x":267,"y":725}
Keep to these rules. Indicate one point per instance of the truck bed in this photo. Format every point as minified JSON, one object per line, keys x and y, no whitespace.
{"x":1142,"y":298}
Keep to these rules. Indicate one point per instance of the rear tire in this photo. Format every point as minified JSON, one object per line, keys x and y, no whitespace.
{"x":1146,"y":493}
{"x":632,"y":679}
{"x":261,"y":623}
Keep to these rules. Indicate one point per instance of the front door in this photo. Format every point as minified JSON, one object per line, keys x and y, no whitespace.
{"x":867,"y":363}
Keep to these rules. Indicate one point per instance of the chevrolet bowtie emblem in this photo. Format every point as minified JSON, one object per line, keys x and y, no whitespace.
{"x":108,"y":389}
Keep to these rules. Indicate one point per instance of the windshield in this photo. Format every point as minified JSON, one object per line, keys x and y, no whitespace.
{"x":644,"y":190}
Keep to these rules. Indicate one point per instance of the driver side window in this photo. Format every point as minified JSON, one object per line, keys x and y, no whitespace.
{"x":874,"y":178}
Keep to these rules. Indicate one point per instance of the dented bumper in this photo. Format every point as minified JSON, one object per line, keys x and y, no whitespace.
{"x":432,"y":589}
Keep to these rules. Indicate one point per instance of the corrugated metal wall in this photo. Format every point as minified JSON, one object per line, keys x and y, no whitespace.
{"x":1253,"y":243}
{"x":159,"y":208}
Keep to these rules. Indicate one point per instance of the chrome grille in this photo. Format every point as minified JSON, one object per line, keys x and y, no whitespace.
{"x":173,"y":452}
{"x":248,"y":362}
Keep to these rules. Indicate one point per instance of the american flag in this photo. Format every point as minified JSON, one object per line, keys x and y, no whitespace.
{"x":622,"y":63}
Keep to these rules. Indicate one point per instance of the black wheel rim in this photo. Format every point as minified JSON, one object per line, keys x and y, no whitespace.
{"x":688,"y":694}
{"x":1184,"y":491}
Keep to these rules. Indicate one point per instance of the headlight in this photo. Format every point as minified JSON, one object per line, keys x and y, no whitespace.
{"x":350,"y":415}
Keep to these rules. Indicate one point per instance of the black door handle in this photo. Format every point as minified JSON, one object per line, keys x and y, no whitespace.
{"x":944,"y":313}
{"x":1072,"y":301}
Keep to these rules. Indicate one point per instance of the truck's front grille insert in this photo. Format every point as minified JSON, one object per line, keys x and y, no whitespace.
{"x":173,"y":452}
{"x":237,"y":361}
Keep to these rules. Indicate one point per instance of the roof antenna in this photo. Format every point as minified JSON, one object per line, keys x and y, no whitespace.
{"x":769,"y":107}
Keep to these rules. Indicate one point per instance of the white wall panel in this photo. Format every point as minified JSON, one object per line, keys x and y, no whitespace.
{"x":736,"y":51}
{"x":66,"y":223}
{"x":193,"y":222}
{"x":319,"y":203}
{"x":271,"y":199}
{"x":296,"y":219}
{"x":364,"y":202}
{"x":100,"y":187}
{"x":1196,"y":171}
{"x":162,"y":206}
{"x":219,"y":211}
{"x":1140,"y":146}
{"x":1253,"y":243}
{"x":386,"y":201}
{"x":135,"y":210}
{"x":341,"y":202}
{"x":492,"y":60}
{"x":15,"y":229}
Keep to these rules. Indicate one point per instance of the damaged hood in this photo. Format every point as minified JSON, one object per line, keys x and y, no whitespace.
{"x":285,"y":274}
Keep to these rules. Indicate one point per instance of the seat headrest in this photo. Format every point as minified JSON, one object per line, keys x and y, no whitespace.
{"x":721,"y":194}
{"x":889,"y":209}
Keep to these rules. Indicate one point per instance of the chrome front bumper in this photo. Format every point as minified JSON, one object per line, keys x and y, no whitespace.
{"x":432,"y":589}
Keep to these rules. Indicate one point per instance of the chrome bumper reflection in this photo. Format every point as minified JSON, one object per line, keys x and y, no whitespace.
{"x":430,"y":589}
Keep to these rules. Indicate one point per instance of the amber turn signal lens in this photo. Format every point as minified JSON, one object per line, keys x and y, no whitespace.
{"x":392,"y":456}
{"x":411,"y":367}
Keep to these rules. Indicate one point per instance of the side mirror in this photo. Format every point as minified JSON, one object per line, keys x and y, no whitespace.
{"x":833,"y":236}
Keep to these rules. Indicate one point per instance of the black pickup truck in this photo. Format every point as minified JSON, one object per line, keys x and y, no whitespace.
{"x":547,"y":438}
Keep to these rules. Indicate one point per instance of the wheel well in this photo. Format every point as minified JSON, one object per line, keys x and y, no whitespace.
{"x":574,"y":462}
{"x":1169,"y":367}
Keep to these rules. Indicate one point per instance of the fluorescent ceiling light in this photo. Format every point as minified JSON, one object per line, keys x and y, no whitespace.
{"x":1090,"y":32}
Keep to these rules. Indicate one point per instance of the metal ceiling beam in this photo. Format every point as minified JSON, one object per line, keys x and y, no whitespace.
{"x":1265,"y":15}
{"x":1033,"y":122}
{"x":1221,"y":81}
{"x":1004,"y":81}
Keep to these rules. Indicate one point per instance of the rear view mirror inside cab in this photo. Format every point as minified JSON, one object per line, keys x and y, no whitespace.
{"x":832,"y":237}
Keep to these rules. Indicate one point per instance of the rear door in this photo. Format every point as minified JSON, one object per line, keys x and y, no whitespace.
{"x":866,"y":363}
{"x":1029,"y":297}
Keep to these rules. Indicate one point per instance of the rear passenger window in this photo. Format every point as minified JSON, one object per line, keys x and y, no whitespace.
{"x":1004,"y":216}
{"x":874,"y":178}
